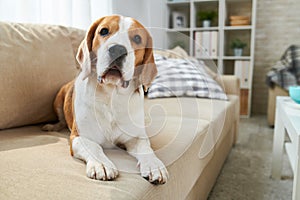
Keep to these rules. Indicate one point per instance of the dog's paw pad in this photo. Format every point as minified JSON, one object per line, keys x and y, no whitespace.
{"x":156,"y":176}
{"x":101,"y":171}
{"x":157,"y":182}
{"x":154,"y":171}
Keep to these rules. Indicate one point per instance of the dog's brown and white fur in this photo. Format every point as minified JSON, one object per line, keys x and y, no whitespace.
{"x":103,"y":106}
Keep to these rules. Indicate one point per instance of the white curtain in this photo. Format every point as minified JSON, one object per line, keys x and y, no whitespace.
{"x":75,"y":13}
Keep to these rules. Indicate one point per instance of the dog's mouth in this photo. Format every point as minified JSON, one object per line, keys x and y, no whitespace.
{"x":113,"y":71}
{"x":113,"y":75}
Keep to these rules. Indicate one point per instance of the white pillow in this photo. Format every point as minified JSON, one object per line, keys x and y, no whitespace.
{"x":183,"y":77}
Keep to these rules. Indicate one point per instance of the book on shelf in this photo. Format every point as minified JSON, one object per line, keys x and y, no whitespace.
{"x":206,"y":44}
{"x":242,"y":71}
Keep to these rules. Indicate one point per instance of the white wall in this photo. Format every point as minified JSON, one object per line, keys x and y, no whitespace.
{"x":79,"y":13}
{"x":131,"y":8}
{"x":149,"y":12}
{"x":157,"y":20}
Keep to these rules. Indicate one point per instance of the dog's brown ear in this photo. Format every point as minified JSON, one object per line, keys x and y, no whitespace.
{"x":149,"y":67}
{"x":85,"y":56}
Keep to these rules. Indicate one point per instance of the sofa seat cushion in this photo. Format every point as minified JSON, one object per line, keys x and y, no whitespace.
{"x":218,"y":114}
{"x":35,"y":61}
{"x":37,"y":164}
{"x":187,"y":107}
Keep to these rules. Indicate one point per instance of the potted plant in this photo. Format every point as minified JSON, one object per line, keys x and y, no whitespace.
{"x":206,"y":17}
{"x":237,"y":45}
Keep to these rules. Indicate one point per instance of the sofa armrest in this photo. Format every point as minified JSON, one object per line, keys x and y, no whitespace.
{"x":230,"y":84}
{"x":273,"y":93}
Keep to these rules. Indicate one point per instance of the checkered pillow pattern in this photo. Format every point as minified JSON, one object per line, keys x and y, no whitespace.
{"x":183,"y":77}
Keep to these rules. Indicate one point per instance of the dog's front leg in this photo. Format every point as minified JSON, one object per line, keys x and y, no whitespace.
{"x":151,"y":167}
{"x":98,"y":166}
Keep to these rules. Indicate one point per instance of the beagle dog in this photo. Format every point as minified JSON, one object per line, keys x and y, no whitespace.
{"x":104,"y":106}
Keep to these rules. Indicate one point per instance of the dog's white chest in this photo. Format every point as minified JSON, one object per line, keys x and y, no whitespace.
{"x":107,"y":115}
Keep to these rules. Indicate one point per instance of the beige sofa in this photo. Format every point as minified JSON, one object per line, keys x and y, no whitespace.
{"x":192,"y":136}
{"x":273,"y":93}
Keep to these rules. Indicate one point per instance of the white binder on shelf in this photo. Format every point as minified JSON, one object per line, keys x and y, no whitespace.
{"x":242,"y":71}
{"x":198,"y":45}
{"x":214,"y":43}
{"x":206,"y":44}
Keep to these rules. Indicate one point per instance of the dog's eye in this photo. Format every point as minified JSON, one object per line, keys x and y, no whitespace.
{"x":104,"y":32}
{"x":137,"y":39}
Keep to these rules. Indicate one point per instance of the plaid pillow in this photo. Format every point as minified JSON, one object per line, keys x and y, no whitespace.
{"x":181,"y":77}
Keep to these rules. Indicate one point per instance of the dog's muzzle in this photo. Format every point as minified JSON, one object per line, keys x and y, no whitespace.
{"x":114,"y":73}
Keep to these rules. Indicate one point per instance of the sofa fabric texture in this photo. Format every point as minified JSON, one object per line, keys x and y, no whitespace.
{"x":192,"y":136}
{"x":35,"y":61}
{"x":39,"y":165}
{"x":272,"y":94}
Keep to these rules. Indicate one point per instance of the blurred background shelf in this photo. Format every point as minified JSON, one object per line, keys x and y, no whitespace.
{"x":230,"y":13}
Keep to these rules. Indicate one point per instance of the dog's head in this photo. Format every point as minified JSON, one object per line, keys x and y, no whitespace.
{"x":118,"y":49}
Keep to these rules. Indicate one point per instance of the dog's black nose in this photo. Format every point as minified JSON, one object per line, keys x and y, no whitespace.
{"x":117,"y":52}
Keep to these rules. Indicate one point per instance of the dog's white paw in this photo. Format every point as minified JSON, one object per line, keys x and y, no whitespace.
{"x":153,"y":170}
{"x":101,"y":171}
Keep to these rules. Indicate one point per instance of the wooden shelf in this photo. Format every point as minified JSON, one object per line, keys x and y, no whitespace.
{"x":208,"y":58}
{"x":172,"y":30}
{"x":201,"y":1}
{"x":236,"y":57}
{"x":216,"y":28}
{"x":226,"y":34}
{"x":238,"y":27}
{"x":171,"y":3}
{"x":238,"y":1}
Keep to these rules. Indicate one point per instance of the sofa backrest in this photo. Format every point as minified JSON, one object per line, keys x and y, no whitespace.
{"x":35,"y":61}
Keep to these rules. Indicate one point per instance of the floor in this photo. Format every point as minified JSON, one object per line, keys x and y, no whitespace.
{"x":246,"y":172}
